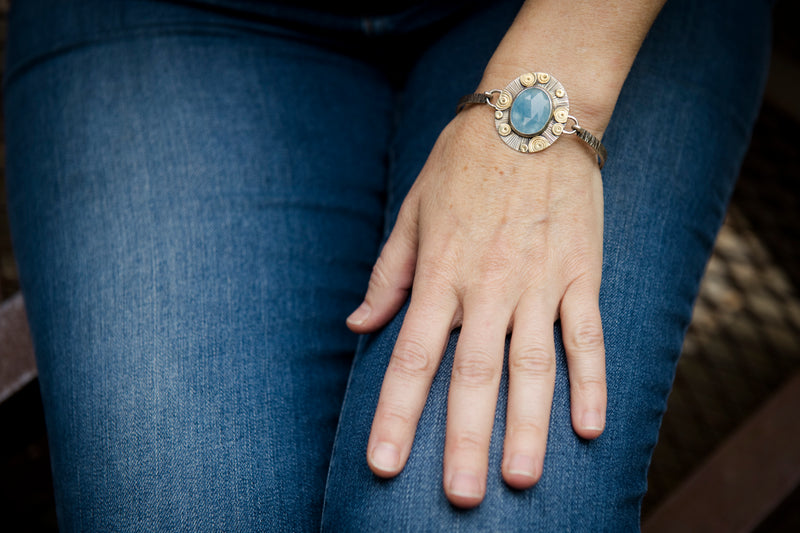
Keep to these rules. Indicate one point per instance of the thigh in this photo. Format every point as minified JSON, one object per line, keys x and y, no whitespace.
{"x":195,"y":211}
{"x":676,"y":140}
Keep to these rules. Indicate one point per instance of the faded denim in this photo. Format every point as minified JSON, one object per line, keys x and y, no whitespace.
{"x":198,"y":190}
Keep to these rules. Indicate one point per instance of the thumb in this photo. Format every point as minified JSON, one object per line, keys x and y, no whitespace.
{"x":392,"y":274}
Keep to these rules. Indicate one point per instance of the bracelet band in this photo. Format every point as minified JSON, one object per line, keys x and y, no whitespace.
{"x":532,"y":112}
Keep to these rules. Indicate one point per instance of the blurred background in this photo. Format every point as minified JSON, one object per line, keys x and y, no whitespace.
{"x":730,"y":432}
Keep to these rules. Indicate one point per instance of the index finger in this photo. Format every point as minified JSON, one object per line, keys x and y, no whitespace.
{"x":412,"y":367}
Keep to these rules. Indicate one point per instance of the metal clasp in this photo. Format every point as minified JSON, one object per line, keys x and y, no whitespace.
{"x":490,"y":95}
{"x":575,"y":127}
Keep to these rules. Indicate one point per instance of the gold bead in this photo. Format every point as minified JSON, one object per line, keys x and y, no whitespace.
{"x":523,"y":147}
{"x":504,"y":129}
{"x":498,"y":115}
{"x":504,"y":100}
{"x":538,"y":144}
{"x":527,"y":79}
{"x":561,"y":114}
{"x":558,"y":128}
{"x":560,"y":93}
{"x":543,"y":77}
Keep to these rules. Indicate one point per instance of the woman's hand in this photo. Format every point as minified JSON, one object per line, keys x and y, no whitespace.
{"x":493,"y":241}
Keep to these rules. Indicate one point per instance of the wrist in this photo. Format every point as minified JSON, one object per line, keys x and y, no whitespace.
{"x":591,"y":63}
{"x":533,"y":110}
{"x":591,"y":100}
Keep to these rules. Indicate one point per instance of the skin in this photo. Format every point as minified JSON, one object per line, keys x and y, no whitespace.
{"x":496,"y":242}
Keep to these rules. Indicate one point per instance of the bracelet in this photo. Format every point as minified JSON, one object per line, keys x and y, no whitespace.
{"x":532,"y":112}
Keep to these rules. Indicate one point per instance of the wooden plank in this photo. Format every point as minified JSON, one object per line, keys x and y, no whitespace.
{"x":745,"y":479}
{"x":17,"y":364}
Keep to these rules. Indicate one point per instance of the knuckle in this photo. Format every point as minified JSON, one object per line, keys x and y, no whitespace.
{"x":494,"y":272}
{"x":411,"y":358}
{"x":437,"y":283}
{"x":379,"y":278}
{"x":469,"y":441}
{"x":592,"y":384}
{"x":574,"y":263}
{"x":532,"y":362}
{"x":579,"y":261}
{"x":536,"y":272}
{"x":440,"y":270}
{"x":525,"y":427}
{"x":475,"y":369}
{"x":392,"y":415}
{"x":587,"y":337}
{"x":408,"y":208}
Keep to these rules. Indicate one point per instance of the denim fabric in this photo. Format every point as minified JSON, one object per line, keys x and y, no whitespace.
{"x":198,"y":190}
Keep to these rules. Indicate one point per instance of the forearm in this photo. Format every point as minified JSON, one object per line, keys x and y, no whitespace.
{"x":588,"y":45}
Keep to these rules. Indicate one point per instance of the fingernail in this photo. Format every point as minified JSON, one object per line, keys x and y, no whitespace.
{"x":592,"y":420}
{"x":521,"y":464}
{"x":360,"y":315}
{"x":385,"y":456}
{"x":465,"y":484}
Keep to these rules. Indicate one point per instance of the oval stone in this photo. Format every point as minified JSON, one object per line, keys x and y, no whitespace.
{"x":531,"y":111}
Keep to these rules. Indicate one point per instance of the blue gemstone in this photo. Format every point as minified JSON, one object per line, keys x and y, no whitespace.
{"x":531,"y":111}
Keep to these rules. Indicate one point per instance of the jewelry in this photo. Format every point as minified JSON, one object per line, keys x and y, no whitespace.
{"x":532,"y":112}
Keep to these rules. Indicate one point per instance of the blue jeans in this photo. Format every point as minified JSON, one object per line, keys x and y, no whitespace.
{"x":198,"y":190}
